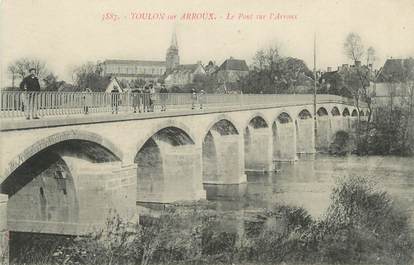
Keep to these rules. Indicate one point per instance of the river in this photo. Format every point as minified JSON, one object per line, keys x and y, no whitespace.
{"x":309,"y":181}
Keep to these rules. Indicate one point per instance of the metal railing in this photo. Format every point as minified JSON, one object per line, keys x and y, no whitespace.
{"x":25,"y":104}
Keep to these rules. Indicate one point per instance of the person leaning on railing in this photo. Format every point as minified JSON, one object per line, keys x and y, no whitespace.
{"x":30,"y":86}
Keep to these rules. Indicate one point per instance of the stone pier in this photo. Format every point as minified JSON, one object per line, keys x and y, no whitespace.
{"x":305,"y":136}
{"x":323,"y":134}
{"x":337,"y":124}
{"x":168,"y":173}
{"x":284,"y":142}
{"x":223,"y":159}
{"x":258,"y":149}
{"x":4,"y":233}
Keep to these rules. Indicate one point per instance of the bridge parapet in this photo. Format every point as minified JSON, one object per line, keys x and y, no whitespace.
{"x":45,"y":104}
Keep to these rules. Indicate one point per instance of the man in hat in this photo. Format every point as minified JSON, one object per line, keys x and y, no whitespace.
{"x":30,"y":85}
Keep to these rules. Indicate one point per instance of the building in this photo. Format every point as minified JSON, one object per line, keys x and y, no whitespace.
{"x":184,"y":74}
{"x":147,"y":70}
{"x":231,"y":70}
{"x":211,"y":68}
{"x":129,"y":70}
{"x":393,"y":81}
{"x":172,"y":59}
{"x":341,"y":81}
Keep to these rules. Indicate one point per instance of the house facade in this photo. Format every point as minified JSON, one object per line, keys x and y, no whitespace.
{"x":231,"y":70}
{"x":393,"y":81}
{"x":184,"y":74}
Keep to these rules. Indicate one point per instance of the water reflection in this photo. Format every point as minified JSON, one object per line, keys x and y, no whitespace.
{"x":309,"y":181}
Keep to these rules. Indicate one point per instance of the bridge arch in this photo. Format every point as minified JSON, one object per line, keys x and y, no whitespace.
{"x":257,"y":116}
{"x":345,"y":112}
{"x":165,"y":124}
{"x":304,"y":114}
{"x":322,"y":112}
{"x":50,"y":174}
{"x":335,"y":112}
{"x":217,"y":119}
{"x":354,"y":113}
{"x":57,"y":138}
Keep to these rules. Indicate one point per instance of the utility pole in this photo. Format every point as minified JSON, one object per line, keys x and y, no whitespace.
{"x":314,"y":84}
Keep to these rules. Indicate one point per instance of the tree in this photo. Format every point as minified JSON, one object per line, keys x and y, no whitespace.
{"x":86,"y":75}
{"x":371,"y":55}
{"x":51,"y":82}
{"x":138,"y":83}
{"x":20,"y":68}
{"x":357,"y":80}
{"x":12,"y":69}
{"x":273,"y":73}
{"x":353,"y":47}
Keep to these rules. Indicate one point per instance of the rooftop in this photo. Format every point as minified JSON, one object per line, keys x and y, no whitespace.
{"x":135,"y":62}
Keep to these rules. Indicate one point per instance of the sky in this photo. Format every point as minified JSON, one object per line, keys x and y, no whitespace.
{"x":65,"y":34}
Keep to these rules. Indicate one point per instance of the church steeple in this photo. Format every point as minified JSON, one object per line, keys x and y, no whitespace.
{"x":172,"y":59}
{"x":174,"y":40}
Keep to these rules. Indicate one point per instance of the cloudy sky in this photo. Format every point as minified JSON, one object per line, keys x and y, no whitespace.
{"x":69,"y":33}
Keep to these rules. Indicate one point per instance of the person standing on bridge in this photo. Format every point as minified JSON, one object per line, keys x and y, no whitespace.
{"x":114,"y":100}
{"x":201,"y":98}
{"x":136,"y":101}
{"x":30,"y":85}
{"x":146,"y":98}
{"x":163,"y":98}
{"x":193,"y":98}
{"x":87,"y":100}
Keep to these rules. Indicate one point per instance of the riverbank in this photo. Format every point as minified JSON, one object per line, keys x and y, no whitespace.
{"x":361,"y":225}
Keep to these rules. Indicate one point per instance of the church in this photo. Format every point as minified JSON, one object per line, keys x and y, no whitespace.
{"x":129,"y":70}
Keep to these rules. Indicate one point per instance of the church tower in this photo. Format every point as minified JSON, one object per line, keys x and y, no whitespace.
{"x":172,"y":59}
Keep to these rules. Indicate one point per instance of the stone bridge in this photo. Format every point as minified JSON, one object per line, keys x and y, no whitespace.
{"x":67,"y":174}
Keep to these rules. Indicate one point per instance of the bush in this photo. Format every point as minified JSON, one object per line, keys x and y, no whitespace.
{"x":362,"y":224}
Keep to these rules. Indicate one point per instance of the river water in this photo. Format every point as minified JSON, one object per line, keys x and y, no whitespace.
{"x":309,"y":181}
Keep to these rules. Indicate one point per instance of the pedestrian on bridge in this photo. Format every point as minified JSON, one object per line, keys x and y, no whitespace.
{"x":146,"y":98}
{"x":30,"y":86}
{"x":163,"y":98}
{"x":87,"y":100}
{"x":201,"y":98}
{"x":136,"y":100}
{"x":114,"y":100}
{"x":193,"y":98}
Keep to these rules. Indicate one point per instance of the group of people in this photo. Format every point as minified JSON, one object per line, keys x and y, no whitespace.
{"x":141,"y":99}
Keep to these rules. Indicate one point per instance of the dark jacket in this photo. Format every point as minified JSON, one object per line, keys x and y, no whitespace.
{"x":31,"y":83}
